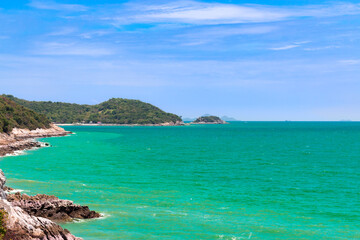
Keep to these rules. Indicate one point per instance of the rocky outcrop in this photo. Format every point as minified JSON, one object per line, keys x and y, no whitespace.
{"x":19,"y":225}
{"x":53,"y":131}
{"x":22,"y":139}
{"x":177,"y":123}
{"x":209,"y":120}
{"x":51,"y":207}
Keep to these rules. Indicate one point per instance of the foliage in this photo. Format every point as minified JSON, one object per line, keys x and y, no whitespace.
{"x":3,"y":216}
{"x":115,"y":110}
{"x":14,"y":115}
{"x":208,"y":119}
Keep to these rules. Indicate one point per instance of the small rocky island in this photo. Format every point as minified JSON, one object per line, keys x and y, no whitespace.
{"x":209,"y":120}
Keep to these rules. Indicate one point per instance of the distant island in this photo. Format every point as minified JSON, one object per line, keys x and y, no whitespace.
{"x":225,"y":118}
{"x":209,"y":120}
{"x":113,"y":111}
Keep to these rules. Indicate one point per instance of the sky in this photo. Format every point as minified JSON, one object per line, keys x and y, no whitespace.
{"x":251,"y":60}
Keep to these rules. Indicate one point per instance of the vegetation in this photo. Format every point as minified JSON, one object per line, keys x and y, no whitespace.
{"x":3,"y":216}
{"x":14,"y":115}
{"x":208,"y":119}
{"x":115,"y":110}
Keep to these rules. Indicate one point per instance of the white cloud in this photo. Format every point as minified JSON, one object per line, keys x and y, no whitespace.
{"x":92,"y":34}
{"x":74,"y":49}
{"x":321,"y":48}
{"x":285,"y":47}
{"x":290,"y":46}
{"x":350,"y":61}
{"x":193,"y":12}
{"x":211,"y":34}
{"x":63,"y":31}
{"x":51,"y":5}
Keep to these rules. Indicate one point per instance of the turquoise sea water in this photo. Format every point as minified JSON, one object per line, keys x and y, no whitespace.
{"x":245,"y":180}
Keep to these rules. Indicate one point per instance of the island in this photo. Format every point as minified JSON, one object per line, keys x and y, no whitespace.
{"x":209,"y":120}
{"x":24,"y":217}
{"x":115,"y":111}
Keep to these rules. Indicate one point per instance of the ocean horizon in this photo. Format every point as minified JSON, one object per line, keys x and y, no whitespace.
{"x":243,"y":180}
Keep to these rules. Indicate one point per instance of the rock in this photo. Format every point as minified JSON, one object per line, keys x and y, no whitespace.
{"x":23,"y":139}
{"x":51,"y":207}
{"x":19,"y":225}
{"x":2,"y":185}
{"x":40,"y":132}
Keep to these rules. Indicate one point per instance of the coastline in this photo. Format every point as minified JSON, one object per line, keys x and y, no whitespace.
{"x":202,"y":123}
{"x":178,"y":123}
{"x":24,"y":139}
{"x":24,"y":217}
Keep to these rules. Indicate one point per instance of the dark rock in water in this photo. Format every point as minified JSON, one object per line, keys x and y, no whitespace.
{"x":51,"y":207}
{"x":208,"y":120}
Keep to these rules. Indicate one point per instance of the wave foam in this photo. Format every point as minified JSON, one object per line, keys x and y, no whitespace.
{"x":16,"y":191}
{"x":102,"y":216}
{"x":15,"y":153}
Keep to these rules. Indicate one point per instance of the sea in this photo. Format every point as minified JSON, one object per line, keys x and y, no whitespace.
{"x":243,"y":180}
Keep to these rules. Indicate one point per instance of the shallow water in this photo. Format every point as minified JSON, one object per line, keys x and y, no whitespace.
{"x":245,"y":180}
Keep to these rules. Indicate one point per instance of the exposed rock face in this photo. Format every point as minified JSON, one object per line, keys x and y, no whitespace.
{"x":39,"y":133}
{"x":21,"y":139}
{"x":20,"y":225}
{"x":209,"y":120}
{"x":177,"y":123}
{"x":51,"y":207}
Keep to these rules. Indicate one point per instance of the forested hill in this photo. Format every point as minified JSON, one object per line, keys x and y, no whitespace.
{"x":115,"y":110}
{"x":14,"y":115}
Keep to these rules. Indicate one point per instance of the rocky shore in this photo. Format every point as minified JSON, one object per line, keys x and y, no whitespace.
{"x":24,"y":217}
{"x":17,"y":224}
{"x":23,"y":139}
{"x":51,"y":207}
{"x":177,"y":123}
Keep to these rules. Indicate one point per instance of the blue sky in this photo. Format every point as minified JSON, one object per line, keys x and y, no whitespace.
{"x":252,"y":60}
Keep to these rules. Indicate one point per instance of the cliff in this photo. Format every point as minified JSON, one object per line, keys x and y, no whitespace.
{"x":24,"y":217}
{"x":16,"y":224}
{"x":22,"y":139}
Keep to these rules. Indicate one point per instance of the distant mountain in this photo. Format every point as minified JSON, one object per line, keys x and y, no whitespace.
{"x":115,"y":110}
{"x":226,"y":118}
{"x":14,"y":115}
{"x":209,"y":120}
{"x":186,"y":119}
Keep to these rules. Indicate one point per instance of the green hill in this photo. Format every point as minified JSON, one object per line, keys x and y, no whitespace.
{"x":14,"y":115}
{"x":209,"y":119}
{"x":115,"y":110}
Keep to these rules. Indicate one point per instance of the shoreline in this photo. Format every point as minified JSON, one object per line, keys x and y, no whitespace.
{"x":24,"y":139}
{"x":138,"y":125}
{"x":26,"y":217}
{"x":125,"y":125}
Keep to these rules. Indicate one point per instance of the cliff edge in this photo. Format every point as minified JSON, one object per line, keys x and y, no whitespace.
{"x":23,"y":139}
{"x":16,"y":224}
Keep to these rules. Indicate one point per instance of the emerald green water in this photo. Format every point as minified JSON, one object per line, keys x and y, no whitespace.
{"x":255,"y":180}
